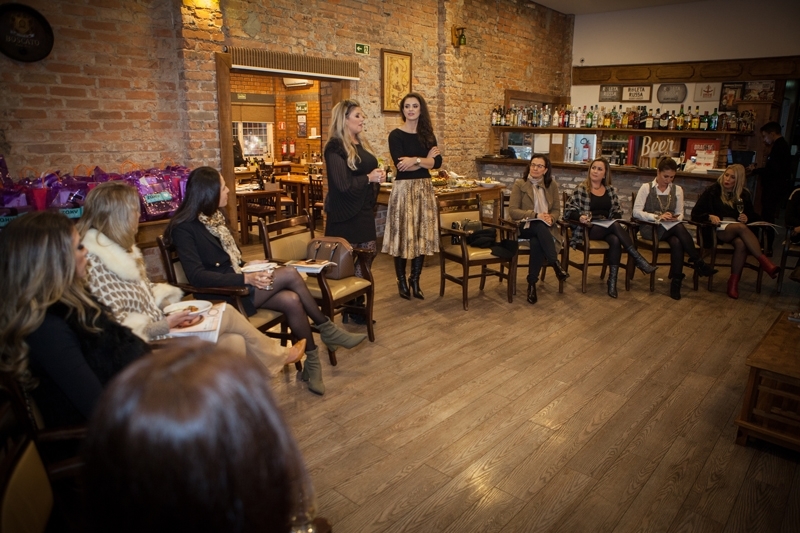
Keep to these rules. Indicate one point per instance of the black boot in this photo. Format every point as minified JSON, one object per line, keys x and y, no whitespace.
{"x":561,"y":274}
{"x":400,"y":271}
{"x":413,"y":279}
{"x":641,"y":262}
{"x":532,"y":298}
{"x":613,"y":272}
{"x":703,"y":269}
{"x":675,"y":286}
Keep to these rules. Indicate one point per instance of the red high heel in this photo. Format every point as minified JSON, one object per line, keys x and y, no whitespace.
{"x":733,"y":286}
{"x":769,"y":267}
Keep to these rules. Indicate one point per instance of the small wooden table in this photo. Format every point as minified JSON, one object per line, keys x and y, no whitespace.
{"x":271,"y":190}
{"x":488,"y":194}
{"x":771,"y":407}
{"x":297,"y":186}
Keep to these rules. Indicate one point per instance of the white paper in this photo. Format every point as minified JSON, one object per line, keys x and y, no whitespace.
{"x":528,"y":221}
{"x":603,"y":223}
{"x":541,"y":143}
{"x":557,"y":138}
{"x":207,"y":329}
{"x":669,"y":224}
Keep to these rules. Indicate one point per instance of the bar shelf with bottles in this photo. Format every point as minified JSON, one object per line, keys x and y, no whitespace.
{"x":620,"y":136}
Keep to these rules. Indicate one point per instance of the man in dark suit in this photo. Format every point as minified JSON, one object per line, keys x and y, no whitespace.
{"x":775,"y":176}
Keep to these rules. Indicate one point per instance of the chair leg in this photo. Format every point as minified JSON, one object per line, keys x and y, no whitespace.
{"x":586,"y":267}
{"x":441,"y":273}
{"x":465,"y":286}
{"x":370,"y":301}
{"x":654,"y":262}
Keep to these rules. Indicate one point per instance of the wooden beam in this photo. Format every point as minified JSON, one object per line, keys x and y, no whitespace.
{"x":223,"y":66}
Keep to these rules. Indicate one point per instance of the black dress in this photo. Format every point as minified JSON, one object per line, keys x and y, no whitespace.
{"x":351,"y":197}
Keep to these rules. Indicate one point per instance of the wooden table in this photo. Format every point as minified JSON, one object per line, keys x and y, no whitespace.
{"x":771,"y":407}
{"x":488,"y":194}
{"x":271,"y":190}
{"x":297,"y":185}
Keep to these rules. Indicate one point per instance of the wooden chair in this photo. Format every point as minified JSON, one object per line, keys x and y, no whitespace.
{"x":288,"y":239}
{"x":789,"y":250}
{"x":469,"y":256}
{"x":713,"y":250}
{"x":655,"y":247}
{"x":588,"y":249}
{"x":523,"y":258}
{"x":263,"y":320}
{"x":315,"y":200}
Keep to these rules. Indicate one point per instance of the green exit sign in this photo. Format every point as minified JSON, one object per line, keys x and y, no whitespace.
{"x":362,"y":49}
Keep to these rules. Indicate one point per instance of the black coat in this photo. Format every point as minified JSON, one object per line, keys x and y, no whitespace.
{"x":710,"y":203}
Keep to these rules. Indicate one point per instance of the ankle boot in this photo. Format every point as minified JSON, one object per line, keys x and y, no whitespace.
{"x":413,"y":279}
{"x":769,"y":267}
{"x":400,"y":272}
{"x":312,"y":372}
{"x":335,"y":338}
{"x":703,"y":269}
{"x":733,"y":286}
{"x":675,"y":286}
{"x":561,"y":274}
{"x":641,"y":262}
{"x":532,"y":298}
{"x":613,"y":272}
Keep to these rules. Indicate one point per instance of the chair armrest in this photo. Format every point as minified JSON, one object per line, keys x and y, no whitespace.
{"x":362,"y":259}
{"x":59,"y":434}
{"x":222,"y":291}
{"x":451,"y":231}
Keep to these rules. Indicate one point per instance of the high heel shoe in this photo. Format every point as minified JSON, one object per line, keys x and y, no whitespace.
{"x":733,"y":286}
{"x":613,"y":273}
{"x":675,"y":286}
{"x":400,"y":272}
{"x":413,"y":279}
{"x":335,"y":338}
{"x":532,"y":297}
{"x":312,"y":372}
{"x":769,"y":267}
{"x":703,"y":269}
{"x":641,"y":263}
{"x":561,"y":274}
{"x":295,"y":353}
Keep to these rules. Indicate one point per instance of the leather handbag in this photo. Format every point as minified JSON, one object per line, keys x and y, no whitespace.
{"x":334,"y":249}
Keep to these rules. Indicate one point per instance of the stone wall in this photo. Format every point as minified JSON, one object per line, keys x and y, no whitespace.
{"x":137,"y":81}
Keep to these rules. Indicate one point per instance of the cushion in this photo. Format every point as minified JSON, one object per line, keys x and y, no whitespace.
{"x":473,"y":254}
{"x":264,"y":316}
{"x":291,"y":246}
{"x":339,"y":287}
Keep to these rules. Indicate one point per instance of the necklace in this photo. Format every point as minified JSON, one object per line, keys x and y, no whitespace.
{"x":660,"y":204}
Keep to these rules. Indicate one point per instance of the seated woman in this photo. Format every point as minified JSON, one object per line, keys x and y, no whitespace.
{"x":535,"y":204}
{"x":210,"y":258}
{"x":719,"y":201}
{"x":60,"y":343}
{"x":191,"y":440}
{"x":116,"y":276}
{"x":662,"y":201}
{"x":596,"y":199}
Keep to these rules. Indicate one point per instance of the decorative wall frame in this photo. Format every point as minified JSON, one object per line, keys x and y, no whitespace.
{"x":636,"y":93}
{"x":729,"y":95}
{"x":396,"y":72}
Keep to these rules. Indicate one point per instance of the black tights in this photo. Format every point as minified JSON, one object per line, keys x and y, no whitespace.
{"x":617,"y":238}
{"x":290,"y":296}
{"x":744,"y":241}
{"x":680,"y":242}
{"x":542,"y":248}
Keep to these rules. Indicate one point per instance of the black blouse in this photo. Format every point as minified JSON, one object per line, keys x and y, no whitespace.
{"x":403,"y":144}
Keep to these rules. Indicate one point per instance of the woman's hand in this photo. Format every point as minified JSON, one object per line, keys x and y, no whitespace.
{"x":796,"y":230}
{"x":585,"y":219}
{"x":404,"y":164}
{"x":176,"y":319}
{"x":433,"y":152}
{"x":377,"y":176}
{"x":546,"y":217}
{"x":260,"y":280}
{"x":667,"y":217}
{"x":714,"y":219}
{"x":742,"y":218}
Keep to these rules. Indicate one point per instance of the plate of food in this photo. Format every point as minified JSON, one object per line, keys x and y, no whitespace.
{"x":195,"y":307}
{"x":259,"y":267}
{"x":488,"y":183}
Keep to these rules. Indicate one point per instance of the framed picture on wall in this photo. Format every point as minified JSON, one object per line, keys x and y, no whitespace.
{"x":637,"y":93}
{"x":610,"y":93}
{"x":301,"y":126}
{"x":759,"y":91}
{"x":729,"y":95}
{"x":395,"y":79}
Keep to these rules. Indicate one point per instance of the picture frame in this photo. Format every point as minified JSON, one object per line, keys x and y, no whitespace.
{"x":396,"y":75}
{"x":729,"y":95}
{"x":759,"y":91}
{"x":637,"y":93}
{"x":609,"y":93}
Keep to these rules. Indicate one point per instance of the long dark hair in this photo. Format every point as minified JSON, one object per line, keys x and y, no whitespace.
{"x":548,"y":176}
{"x":191,"y":439}
{"x":202,"y":196}
{"x":424,"y":125}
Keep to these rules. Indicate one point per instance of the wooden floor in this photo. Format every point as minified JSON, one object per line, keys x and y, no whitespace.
{"x":578,"y":414}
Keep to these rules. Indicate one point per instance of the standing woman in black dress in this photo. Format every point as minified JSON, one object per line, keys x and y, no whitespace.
{"x":411,"y":226}
{"x":353,"y":178}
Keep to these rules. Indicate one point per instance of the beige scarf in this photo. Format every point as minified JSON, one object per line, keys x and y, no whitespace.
{"x":539,"y":199}
{"x":215,"y":224}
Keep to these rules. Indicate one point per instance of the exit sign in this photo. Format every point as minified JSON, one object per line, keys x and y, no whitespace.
{"x":362,"y":49}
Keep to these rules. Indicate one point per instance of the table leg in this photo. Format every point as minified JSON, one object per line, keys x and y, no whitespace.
{"x":244,"y":231}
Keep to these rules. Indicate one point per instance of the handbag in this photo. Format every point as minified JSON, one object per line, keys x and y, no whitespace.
{"x":468,"y":226}
{"x":336,"y":250}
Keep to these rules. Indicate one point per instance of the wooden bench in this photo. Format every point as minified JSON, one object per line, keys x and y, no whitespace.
{"x":771,"y":407}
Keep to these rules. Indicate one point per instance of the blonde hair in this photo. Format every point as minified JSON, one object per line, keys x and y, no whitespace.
{"x":738,"y":186}
{"x":587,"y":183}
{"x":112,"y":208}
{"x":37,"y":269}
{"x":338,"y":130}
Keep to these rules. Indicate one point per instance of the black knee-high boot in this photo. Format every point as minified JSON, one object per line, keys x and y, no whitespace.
{"x":400,"y":271}
{"x":413,"y":279}
{"x":613,"y":272}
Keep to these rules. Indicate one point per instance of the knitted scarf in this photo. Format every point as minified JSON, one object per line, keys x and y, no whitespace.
{"x":215,"y":224}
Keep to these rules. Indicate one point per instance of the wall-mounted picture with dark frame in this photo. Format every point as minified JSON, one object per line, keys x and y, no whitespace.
{"x":730,"y":93}
{"x":395,"y":79}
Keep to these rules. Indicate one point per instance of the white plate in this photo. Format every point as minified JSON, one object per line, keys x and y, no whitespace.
{"x":201,"y":305}
{"x":260,"y":267}
{"x":490,"y":184}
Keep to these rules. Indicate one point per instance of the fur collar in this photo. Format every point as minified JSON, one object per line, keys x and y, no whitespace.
{"x":113,"y":256}
{"x":337,"y":147}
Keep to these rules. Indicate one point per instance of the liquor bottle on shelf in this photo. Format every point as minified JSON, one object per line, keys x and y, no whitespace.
{"x":590,"y":117}
{"x":650,"y":120}
{"x":704,"y":122}
{"x":494,"y":117}
{"x":582,"y":118}
{"x":680,"y":120}
{"x":566,"y":112}
{"x":642,"y":118}
{"x":663,"y":119}
{"x":608,"y":118}
{"x":545,"y":117}
{"x":713,"y":121}
{"x":696,"y":119}
{"x":672,"y":122}
{"x":554,"y":118}
{"x":623,"y":122}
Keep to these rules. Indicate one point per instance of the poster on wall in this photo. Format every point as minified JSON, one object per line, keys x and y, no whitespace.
{"x":729,"y":94}
{"x":671,"y":93}
{"x":637,"y":93}
{"x":610,"y":93}
{"x":301,"y":126}
{"x":759,"y":91}
{"x":706,"y":92}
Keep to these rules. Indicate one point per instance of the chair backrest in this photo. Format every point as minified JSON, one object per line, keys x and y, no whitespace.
{"x":459,"y":210}
{"x":314,"y":190}
{"x":286,"y":239}
{"x":171,"y":261}
{"x":26,"y":496}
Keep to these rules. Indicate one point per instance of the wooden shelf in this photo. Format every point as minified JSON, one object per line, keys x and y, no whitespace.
{"x":620,"y":131}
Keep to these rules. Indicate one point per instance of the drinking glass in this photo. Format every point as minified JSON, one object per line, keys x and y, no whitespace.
{"x":740,"y":206}
{"x":588,"y":215}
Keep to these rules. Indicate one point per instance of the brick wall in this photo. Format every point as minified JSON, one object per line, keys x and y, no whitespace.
{"x":136,"y":80}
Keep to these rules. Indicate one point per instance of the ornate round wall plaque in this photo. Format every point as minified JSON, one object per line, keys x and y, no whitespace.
{"x":25,"y":35}
{"x":671,"y":93}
